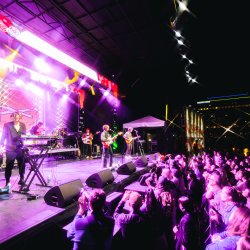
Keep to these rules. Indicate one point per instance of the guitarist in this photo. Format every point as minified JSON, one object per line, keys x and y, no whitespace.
{"x":129,"y":141}
{"x":87,"y":139}
{"x":107,"y":141}
{"x":107,"y":151}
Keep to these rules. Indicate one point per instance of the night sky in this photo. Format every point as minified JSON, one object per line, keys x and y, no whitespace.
{"x":216,"y":35}
{"x":151,"y":73}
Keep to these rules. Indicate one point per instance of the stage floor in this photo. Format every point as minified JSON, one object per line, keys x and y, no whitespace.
{"x":22,"y":218}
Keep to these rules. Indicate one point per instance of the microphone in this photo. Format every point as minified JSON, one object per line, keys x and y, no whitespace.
{"x":135,"y":130}
{"x":111,"y":130}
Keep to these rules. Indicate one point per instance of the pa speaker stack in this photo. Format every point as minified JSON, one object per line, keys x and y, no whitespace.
{"x":63,"y":195}
{"x":100,"y":179}
{"x":127,"y":168}
{"x":141,"y":162}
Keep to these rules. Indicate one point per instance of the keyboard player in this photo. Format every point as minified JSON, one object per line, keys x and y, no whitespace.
{"x":37,"y":129}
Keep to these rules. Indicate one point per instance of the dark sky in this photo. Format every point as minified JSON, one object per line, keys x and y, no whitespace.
{"x":216,"y":35}
{"x":150,"y":73}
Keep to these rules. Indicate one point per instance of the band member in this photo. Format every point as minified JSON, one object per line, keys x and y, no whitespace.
{"x":129,"y":141}
{"x":11,"y":136}
{"x":107,"y":151}
{"x":37,"y":129}
{"x":87,"y":139}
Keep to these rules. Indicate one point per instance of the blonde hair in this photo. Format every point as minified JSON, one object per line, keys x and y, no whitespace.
{"x":240,"y":222}
{"x":105,"y":126}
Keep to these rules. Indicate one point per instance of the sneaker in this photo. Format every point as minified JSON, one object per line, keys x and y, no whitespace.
{"x":8,"y":188}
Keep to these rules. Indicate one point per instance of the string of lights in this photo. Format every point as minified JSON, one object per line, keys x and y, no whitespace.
{"x":182,"y":43}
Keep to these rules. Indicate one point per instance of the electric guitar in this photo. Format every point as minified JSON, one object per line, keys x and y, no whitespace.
{"x":88,"y":140}
{"x":131,"y":139}
{"x":106,"y":144}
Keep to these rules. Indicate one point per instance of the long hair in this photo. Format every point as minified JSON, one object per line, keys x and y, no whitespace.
{"x":244,"y":243}
{"x":240,"y":222}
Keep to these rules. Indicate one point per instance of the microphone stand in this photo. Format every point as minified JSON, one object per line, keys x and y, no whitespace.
{"x":139,"y":143}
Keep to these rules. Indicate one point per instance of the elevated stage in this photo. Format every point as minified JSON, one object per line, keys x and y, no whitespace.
{"x":27,"y":222}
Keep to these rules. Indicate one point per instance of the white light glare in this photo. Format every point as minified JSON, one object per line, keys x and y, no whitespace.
{"x":177,"y":33}
{"x":180,"y":42}
{"x":47,"y":49}
{"x":42,"y":66}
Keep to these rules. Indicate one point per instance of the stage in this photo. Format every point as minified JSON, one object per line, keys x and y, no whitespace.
{"x":27,"y":221}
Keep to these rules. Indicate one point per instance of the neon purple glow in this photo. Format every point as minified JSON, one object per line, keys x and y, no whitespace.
{"x":47,"y":49}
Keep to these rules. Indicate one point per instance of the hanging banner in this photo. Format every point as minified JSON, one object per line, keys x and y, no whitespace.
{"x":8,"y":27}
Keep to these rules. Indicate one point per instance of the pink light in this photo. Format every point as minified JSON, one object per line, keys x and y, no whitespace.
{"x":47,"y":49}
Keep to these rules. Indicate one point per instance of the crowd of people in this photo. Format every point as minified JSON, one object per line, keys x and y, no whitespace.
{"x":198,"y":203}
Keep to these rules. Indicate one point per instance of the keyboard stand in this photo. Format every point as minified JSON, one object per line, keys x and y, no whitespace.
{"x":35,"y":162}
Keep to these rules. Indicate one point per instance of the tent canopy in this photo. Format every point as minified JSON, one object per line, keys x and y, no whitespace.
{"x":147,"y":121}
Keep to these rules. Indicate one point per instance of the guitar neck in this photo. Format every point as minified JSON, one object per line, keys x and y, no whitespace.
{"x":110,"y":141}
{"x":131,"y":139}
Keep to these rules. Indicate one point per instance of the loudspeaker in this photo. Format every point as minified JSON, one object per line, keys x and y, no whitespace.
{"x":141,"y":162}
{"x":100,"y":179}
{"x":126,"y":169}
{"x":60,"y":196}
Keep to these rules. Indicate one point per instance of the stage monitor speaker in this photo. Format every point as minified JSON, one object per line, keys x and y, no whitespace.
{"x":126,"y":169}
{"x":141,"y":162}
{"x":63,"y":195}
{"x":100,"y":179}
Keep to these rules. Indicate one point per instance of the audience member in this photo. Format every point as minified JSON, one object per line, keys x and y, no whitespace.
{"x":155,"y":218}
{"x":133,"y":223}
{"x":243,"y":243}
{"x":187,"y":231}
{"x":83,"y":203}
{"x":95,"y":230}
{"x":238,"y":227}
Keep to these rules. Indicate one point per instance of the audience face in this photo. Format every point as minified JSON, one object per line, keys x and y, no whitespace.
{"x":246,"y":192}
{"x":224,"y":195}
{"x":238,"y":175}
{"x":17,"y":118}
